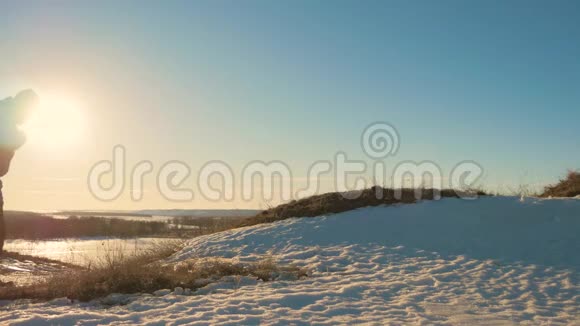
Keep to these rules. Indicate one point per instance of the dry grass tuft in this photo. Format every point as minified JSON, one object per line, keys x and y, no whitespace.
{"x":143,"y":273}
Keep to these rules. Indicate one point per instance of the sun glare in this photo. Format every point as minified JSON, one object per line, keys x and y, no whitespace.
{"x":57,"y":123}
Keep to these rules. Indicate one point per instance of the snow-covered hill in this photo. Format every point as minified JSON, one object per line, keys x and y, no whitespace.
{"x":491,"y":261}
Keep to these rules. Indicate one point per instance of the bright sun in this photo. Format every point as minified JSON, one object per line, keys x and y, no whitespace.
{"x":57,"y":123}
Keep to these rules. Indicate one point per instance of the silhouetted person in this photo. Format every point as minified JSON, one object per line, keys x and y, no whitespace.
{"x":13,"y":113}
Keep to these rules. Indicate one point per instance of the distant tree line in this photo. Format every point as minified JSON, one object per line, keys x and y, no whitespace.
{"x":35,"y":226}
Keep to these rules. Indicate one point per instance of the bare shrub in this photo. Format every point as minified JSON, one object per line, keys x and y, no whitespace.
{"x":567,"y":187}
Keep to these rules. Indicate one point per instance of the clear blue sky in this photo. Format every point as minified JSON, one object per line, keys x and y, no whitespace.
{"x":497,"y":82}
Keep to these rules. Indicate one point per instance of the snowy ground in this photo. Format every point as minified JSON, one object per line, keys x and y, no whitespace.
{"x":24,"y":272}
{"x":493,"y":261}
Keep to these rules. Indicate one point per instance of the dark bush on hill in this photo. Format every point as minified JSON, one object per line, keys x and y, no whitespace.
{"x":568,"y":187}
{"x":337,"y":202}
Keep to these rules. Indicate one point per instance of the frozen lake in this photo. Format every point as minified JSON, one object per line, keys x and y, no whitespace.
{"x":84,"y":250}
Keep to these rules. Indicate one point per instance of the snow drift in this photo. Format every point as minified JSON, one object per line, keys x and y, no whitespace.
{"x":535,"y":232}
{"x":491,"y":261}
